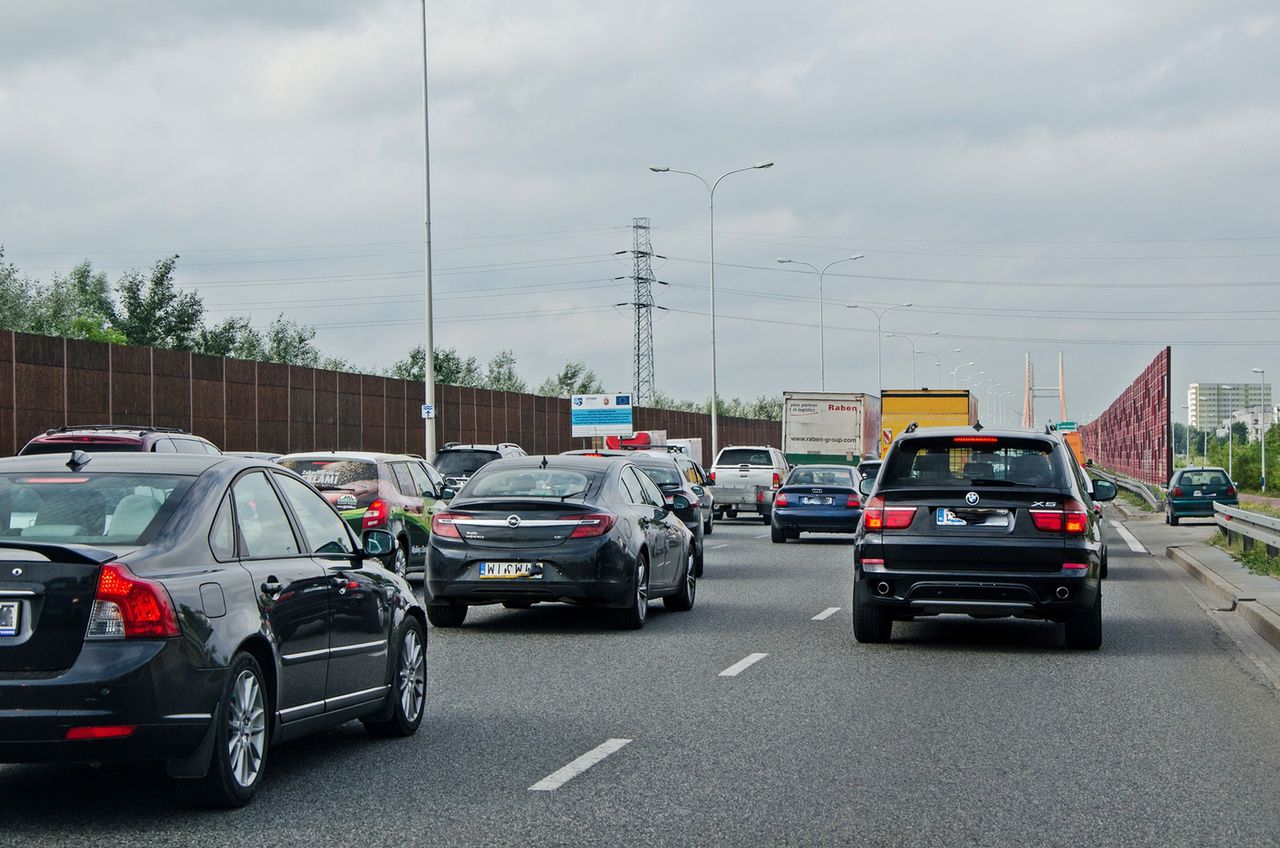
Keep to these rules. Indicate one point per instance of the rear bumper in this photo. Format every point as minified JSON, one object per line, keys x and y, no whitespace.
{"x":596,"y":573}
{"x":817,"y":520}
{"x":150,"y":684}
{"x":997,"y":593}
{"x":1198,"y":508}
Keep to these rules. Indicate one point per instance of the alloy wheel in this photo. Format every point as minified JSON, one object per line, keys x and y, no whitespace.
{"x":642,"y":589}
{"x":401,"y":562}
{"x":413,"y":676}
{"x":246,"y":729}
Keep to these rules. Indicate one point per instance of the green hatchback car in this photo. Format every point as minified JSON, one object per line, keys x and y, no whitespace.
{"x":1193,"y":491}
{"x":379,"y":491}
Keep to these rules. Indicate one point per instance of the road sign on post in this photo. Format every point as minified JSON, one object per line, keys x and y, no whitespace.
{"x":601,"y":415}
{"x":1065,"y":426}
{"x":428,"y":410}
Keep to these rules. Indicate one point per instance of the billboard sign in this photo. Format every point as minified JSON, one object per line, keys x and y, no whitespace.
{"x":601,"y":415}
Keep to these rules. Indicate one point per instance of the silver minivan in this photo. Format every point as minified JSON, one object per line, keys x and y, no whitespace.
{"x":745,"y":479}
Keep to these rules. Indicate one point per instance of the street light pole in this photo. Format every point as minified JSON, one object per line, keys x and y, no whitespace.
{"x":957,"y":368}
{"x":911,"y":340}
{"x":822,"y":324}
{"x":711,"y":254}
{"x":428,"y":341}
{"x":879,"y":313}
{"x":1262,"y":420}
{"x":1230,"y":439}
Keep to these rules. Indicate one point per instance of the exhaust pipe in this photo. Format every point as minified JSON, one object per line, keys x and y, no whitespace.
{"x":882,"y":588}
{"x":1062,"y":592}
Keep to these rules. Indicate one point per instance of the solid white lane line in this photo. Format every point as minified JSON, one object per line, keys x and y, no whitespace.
{"x":725,"y":545}
{"x":562,"y":776}
{"x":742,"y":665}
{"x":825,"y":614}
{"x":1129,"y":538}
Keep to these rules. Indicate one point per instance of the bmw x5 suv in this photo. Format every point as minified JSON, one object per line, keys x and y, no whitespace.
{"x":980,"y":522}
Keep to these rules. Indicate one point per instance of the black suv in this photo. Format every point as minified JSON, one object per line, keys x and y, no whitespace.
{"x":980,"y":522}
{"x":103,"y":438}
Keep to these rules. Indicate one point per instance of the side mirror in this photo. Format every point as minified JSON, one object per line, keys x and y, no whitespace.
{"x":1104,"y":490}
{"x":448,"y":493}
{"x":697,"y":490}
{"x":677,"y":504}
{"x":377,"y":543}
{"x":866,"y":485}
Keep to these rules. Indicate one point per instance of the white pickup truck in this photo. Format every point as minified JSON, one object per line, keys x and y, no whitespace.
{"x":745,"y":479}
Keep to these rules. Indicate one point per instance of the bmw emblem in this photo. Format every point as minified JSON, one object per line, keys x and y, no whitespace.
{"x":513,"y":521}
{"x":971,"y":499}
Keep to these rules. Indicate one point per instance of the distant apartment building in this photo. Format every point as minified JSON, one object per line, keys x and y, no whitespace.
{"x":1255,"y":419}
{"x":1209,"y":404}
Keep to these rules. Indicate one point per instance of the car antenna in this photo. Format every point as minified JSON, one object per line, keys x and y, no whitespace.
{"x":543,"y":465}
{"x":79,"y":459}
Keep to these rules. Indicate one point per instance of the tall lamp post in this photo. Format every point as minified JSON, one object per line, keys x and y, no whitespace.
{"x":1230,"y":439}
{"x":1262,"y":419}
{"x":822,"y":323}
{"x":711,"y":261}
{"x":1188,"y":434}
{"x":428,"y":342}
{"x":937,"y":362}
{"x":911,"y":340}
{"x":879,"y":313}
{"x":957,"y":368}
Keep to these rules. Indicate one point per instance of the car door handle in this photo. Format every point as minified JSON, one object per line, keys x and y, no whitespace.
{"x":271,"y":586}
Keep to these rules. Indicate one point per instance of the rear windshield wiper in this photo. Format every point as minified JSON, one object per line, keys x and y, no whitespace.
{"x":564,"y":498}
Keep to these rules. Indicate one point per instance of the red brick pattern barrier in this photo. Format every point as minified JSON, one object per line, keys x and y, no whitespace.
{"x":1134,"y":436}
{"x":241,"y":405}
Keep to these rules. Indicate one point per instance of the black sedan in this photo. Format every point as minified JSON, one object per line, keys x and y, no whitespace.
{"x":192,"y":610}
{"x":580,"y":530}
{"x":983,"y":523}
{"x":816,"y":498}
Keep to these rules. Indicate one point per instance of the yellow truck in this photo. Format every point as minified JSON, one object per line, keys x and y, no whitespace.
{"x":927,"y":408}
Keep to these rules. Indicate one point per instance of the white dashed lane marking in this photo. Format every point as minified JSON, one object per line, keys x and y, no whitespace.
{"x":742,"y":665}
{"x":825,"y":614}
{"x":562,"y":776}
{"x":1129,"y":538}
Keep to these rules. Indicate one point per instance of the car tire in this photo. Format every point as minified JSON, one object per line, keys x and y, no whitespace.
{"x":1172,"y":519}
{"x":777,"y":534}
{"x":241,"y":735}
{"x":1084,"y":628}
{"x":634,"y":614}
{"x":408,"y":694}
{"x":682,"y":600}
{"x":446,"y":614}
{"x":872,"y":624}
{"x":699,"y":557}
{"x":1102,"y":570}
{"x":766,"y":518}
{"x":730,"y":513}
{"x":709,"y":525}
{"x":399,"y":564}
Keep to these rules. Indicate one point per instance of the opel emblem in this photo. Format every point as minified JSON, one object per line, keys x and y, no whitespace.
{"x":971,"y":499}
{"x":17,"y":572}
{"x":513,"y":521}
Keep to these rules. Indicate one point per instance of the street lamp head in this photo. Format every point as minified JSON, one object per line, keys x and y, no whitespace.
{"x":934,"y":332}
{"x":659,"y":169}
{"x":956,"y":350}
{"x":906,"y":304}
{"x":762,"y":165}
{"x":1257,"y":370}
{"x":859,"y":256}
{"x":782,"y":261}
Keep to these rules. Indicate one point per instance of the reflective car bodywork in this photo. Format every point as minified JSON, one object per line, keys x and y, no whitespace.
{"x":816,"y":498}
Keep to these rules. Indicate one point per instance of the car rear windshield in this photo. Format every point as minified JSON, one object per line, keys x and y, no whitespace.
{"x":530,"y":483}
{"x":744,"y":456}
{"x":463,"y":463}
{"x":821,"y":477}
{"x":663,"y":475}
{"x":87,"y":509}
{"x":112,"y":446}
{"x":972,"y":461}
{"x":1204,"y":478}
{"x":329,"y":475}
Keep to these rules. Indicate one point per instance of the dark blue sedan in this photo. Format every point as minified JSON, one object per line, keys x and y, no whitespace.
{"x":816,"y":499}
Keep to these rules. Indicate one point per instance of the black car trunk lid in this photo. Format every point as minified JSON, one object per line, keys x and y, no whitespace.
{"x":518,"y":522}
{"x":46,"y":595}
{"x":805,"y":495}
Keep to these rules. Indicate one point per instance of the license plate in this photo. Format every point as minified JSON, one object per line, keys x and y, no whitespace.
{"x":947,"y":518}
{"x":816,"y":501}
{"x":511,"y":570}
{"x":9,"y":622}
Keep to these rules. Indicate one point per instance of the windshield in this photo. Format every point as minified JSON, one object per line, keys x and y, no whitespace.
{"x":972,"y":460}
{"x":463,"y":463}
{"x":88,"y":509}
{"x":333,"y":474}
{"x":820,"y":477}
{"x":663,"y":475}
{"x":114,"y":446}
{"x":530,"y":483}
{"x":1210,"y":478}
{"x":744,"y":456}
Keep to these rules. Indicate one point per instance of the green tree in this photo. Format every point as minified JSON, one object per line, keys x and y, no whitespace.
{"x":501,"y":374}
{"x":451,"y":368}
{"x":77,"y":305}
{"x":15,"y":296}
{"x":152,"y":311}
{"x":291,"y":343}
{"x":575,"y":378}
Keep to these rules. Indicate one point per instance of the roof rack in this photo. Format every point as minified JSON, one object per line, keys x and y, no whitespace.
{"x":131,"y":428}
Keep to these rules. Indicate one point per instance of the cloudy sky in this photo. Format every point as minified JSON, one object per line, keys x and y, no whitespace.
{"x":1094,"y":177}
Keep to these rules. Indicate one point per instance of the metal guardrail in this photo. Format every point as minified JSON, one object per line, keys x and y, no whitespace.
{"x":1250,"y":526}
{"x":1137,"y":487}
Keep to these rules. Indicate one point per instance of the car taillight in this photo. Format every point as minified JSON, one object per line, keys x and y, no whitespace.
{"x":853,"y":502}
{"x":1231,"y":491}
{"x":780,"y":500}
{"x":129,"y":607}
{"x":1177,"y":491}
{"x":777,"y":479}
{"x":100,"y":731}
{"x":877,"y":516}
{"x":446,"y":524}
{"x":376,"y":515}
{"x":591,"y":525}
{"x":1076,"y":566}
{"x":712,"y":477}
{"x":1072,"y":519}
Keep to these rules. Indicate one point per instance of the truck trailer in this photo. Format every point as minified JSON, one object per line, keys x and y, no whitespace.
{"x":829,"y":427}
{"x":927,"y":408}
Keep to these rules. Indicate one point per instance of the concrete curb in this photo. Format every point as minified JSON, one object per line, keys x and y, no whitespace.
{"x":1260,"y":610}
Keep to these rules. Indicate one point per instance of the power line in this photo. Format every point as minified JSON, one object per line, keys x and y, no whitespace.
{"x":891,"y":240}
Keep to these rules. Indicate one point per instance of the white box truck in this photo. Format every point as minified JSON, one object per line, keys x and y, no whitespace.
{"x":829,"y":427}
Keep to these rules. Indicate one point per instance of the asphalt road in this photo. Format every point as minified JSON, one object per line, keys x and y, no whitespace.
{"x":958,"y":733}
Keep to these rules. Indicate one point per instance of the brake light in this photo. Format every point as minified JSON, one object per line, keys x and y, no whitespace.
{"x":129,"y":607}
{"x":975,"y":440}
{"x":877,"y":516}
{"x":853,"y":502}
{"x":592,"y":524}
{"x":376,"y":515}
{"x":1072,"y":519}
{"x":777,"y":479}
{"x":1177,"y":491}
{"x":1231,"y":491}
{"x":446,"y":524}
{"x":101,"y":731}
{"x":712,"y":477}
{"x":780,"y":500}
{"x":1076,"y":566}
